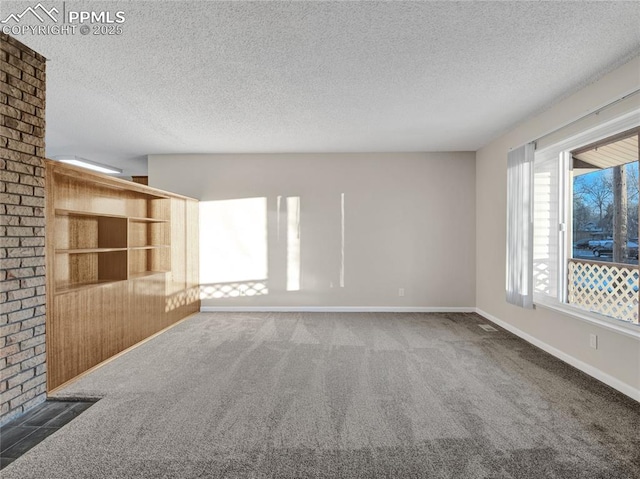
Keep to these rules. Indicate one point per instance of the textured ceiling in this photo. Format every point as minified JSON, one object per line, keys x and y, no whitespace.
{"x":194,"y":77}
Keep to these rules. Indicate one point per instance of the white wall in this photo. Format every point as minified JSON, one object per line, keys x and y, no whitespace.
{"x":409,"y":223}
{"x":617,"y":359}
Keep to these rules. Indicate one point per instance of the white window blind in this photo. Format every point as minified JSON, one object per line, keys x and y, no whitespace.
{"x":519,"y":281}
{"x":546,"y":227}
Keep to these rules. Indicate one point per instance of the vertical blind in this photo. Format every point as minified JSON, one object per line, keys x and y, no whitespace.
{"x":546,"y":221}
{"x":519,"y":281}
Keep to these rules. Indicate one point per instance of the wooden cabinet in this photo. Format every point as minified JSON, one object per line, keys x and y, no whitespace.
{"x":114,"y":249}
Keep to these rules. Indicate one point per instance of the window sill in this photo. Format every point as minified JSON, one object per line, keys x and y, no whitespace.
{"x":621,"y":327}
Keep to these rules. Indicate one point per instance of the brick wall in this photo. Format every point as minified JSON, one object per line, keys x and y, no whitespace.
{"x":22,"y":267}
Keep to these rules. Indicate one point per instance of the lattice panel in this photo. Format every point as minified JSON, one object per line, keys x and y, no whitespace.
{"x":234,"y":290}
{"x":607,"y":289}
{"x":541,"y":277}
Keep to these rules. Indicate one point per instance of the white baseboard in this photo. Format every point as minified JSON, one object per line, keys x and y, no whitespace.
{"x":576,"y":363}
{"x":338,"y":309}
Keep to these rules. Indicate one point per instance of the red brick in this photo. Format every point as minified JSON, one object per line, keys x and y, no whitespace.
{"x":33,"y":382}
{"x":20,"y":167}
{"x":24,"y":86}
{"x":33,"y":100}
{"x":10,"y":111}
{"x":8,"y":154}
{"x":9,"y":133}
{"x":32,"y":323}
{"x":21,"y":294}
{"x":37,"y":221}
{"x":19,"y":357}
{"x":10,"y":394}
{"x":33,"y":120}
{"x":19,"y":189}
{"x":33,"y":61}
{"x":13,"y":50}
{"x":23,"y":274}
{"x":11,"y":91}
{"x":9,"y":69}
{"x":22,"y":147}
{"x":22,"y":105}
{"x":33,"y":361}
{"x":31,"y":180}
{"x":9,"y":176}
{"x":19,"y":378}
{"x":32,"y":342}
{"x":23,"y":398}
{"x":33,"y":140}
{"x":20,"y":126}
{"x":9,"y":350}
{"x":22,"y":66}
{"x":33,"y":81}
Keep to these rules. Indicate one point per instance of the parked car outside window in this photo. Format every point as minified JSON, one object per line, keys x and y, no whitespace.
{"x":605,"y":248}
{"x":582,"y":244}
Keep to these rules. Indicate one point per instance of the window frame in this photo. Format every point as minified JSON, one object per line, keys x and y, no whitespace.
{"x":561,"y":151}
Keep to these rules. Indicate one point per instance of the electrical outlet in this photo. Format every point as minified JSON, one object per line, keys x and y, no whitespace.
{"x":401,"y":292}
{"x":593,"y":341}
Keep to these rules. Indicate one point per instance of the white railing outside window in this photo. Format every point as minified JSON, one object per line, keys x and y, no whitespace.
{"x":610,"y":289}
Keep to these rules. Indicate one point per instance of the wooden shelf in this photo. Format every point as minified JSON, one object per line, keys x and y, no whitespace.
{"x":110,"y":244}
{"x":63,"y":212}
{"x":69,"y":288}
{"x":88,"y":250}
{"x":145,"y":274}
{"x":147,"y":220}
{"x":94,"y":247}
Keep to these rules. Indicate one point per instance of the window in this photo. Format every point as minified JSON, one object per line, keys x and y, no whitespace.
{"x":603,"y":264}
{"x":605,"y":200}
{"x":585,"y":217}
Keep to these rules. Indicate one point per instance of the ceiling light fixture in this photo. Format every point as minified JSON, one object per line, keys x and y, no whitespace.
{"x":91,"y":165}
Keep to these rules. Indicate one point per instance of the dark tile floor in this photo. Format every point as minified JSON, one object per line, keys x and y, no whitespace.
{"x":21,"y":434}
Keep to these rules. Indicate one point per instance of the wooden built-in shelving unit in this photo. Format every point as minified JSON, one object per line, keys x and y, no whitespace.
{"x":94,"y":248}
{"x":121,"y":265}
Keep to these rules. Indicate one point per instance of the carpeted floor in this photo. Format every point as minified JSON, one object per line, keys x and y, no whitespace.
{"x":334,"y":395}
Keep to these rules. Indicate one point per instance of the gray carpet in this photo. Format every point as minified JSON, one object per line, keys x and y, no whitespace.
{"x":333,"y":395}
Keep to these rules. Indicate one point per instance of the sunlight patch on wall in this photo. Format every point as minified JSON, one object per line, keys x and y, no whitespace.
{"x":293,"y":243}
{"x":278,"y":207}
{"x":234,"y":289}
{"x":233,"y":241}
{"x":342,"y":240}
